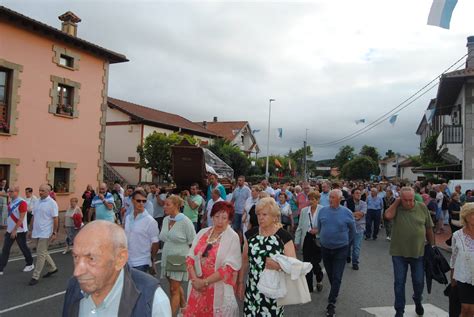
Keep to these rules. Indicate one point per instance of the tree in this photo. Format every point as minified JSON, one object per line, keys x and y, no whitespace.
{"x":155,"y":154}
{"x":231,"y":155}
{"x":371,"y":152}
{"x":345,"y":154}
{"x":429,"y":152}
{"x":361,"y":167}
{"x":298,"y":157}
{"x":389,"y":153}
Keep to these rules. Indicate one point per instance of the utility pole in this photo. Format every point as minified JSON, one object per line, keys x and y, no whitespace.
{"x":396,"y":173}
{"x":305,"y":155}
{"x":268,"y":137}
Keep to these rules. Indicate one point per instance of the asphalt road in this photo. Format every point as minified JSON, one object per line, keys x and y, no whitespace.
{"x":371,"y":286}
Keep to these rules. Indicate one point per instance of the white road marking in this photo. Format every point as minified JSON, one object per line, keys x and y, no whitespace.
{"x":389,"y":311}
{"x":32,"y":302}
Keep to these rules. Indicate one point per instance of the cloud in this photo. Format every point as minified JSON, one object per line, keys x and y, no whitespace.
{"x":327,"y":63}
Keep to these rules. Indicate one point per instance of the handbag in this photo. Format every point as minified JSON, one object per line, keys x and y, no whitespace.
{"x":297,"y":291}
{"x":197,"y":265}
{"x":315,"y":239}
{"x":176,"y":263}
{"x":272,"y":284}
{"x":286,"y":220}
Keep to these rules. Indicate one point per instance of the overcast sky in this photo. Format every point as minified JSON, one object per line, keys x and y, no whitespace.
{"x":327,"y":63}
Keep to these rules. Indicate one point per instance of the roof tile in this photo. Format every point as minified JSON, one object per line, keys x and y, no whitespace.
{"x":157,"y":117}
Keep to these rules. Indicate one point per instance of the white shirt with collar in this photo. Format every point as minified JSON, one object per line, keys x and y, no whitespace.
{"x":142,"y":231}
{"x":44,"y":212}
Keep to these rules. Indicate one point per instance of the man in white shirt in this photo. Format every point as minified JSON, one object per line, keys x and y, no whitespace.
{"x":17,"y":228}
{"x":107,"y":286}
{"x":45,"y":228}
{"x":142,"y":234}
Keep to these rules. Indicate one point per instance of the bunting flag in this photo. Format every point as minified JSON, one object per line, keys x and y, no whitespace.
{"x":393,"y":119}
{"x":429,"y":114}
{"x":255,"y":131}
{"x":441,"y":12}
{"x":360,"y":121}
{"x":280,"y":133}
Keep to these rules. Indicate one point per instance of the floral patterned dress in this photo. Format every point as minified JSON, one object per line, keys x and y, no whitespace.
{"x":259,"y":248}
{"x":202,"y":303}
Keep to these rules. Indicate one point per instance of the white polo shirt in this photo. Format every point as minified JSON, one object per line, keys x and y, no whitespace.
{"x":141,"y":232}
{"x":44,"y":212}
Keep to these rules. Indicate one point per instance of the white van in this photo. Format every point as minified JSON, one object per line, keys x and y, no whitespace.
{"x":465,"y":184}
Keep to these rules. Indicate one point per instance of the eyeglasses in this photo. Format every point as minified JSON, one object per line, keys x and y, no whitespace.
{"x":206,"y":250}
{"x":143,"y":201}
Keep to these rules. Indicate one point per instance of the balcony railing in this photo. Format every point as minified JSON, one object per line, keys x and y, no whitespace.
{"x":451,"y":134}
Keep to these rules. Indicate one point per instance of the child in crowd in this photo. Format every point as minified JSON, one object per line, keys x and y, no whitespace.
{"x":72,"y":223}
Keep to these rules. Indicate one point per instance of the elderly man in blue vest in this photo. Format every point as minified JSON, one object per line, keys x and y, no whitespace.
{"x":103,"y":284}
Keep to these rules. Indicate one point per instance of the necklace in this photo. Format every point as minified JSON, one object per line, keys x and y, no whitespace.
{"x":209,"y":241}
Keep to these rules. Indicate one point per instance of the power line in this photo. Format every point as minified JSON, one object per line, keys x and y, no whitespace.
{"x":398,"y":108}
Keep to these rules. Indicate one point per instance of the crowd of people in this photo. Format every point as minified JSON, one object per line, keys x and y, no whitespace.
{"x":221,"y":241}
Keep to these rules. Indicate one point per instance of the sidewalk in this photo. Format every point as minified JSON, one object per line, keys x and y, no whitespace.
{"x":58,"y":243}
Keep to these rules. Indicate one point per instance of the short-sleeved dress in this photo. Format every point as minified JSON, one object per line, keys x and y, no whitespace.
{"x":202,"y":303}
{"x":177,"y":241}
{"x":259,"y":248}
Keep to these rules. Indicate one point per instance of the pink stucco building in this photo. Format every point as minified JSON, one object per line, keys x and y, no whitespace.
{"x":53,"y":103}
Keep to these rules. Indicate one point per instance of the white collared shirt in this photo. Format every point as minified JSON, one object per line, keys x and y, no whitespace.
{"x":44,"y":212}
{"x":142,"y":231}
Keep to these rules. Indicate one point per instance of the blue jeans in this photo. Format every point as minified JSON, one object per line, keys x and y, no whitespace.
{"x":143,"y":268}
{"x":400,"y":269}
{"x":355,"y":246}
{"x":372,"y":219}
{"x":237,"y":222}
{"x":334,"y":262}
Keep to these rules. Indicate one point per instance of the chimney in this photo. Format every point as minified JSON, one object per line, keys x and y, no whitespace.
{"x":470,"y":52}
{"x":215,"y":119}
{"x":69,"y":24}
{"x":204,"y":124}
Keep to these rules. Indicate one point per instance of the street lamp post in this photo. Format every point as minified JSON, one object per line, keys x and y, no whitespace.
{"x":268,"y":137}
